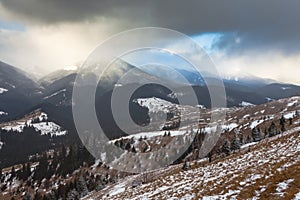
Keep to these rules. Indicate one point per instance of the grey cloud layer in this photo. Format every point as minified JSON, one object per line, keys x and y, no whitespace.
{"x":259,"y":23}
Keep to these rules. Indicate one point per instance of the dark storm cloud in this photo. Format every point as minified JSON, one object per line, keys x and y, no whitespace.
{"x":268,"y":23}
{"x":56,"y":11}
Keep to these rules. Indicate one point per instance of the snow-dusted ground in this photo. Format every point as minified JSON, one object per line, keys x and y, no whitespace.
{"x":49,"y":128}
{"x":245,"y":175}
{"x":155,"y":104}
{"x":246,"y":104}
{"x":3,"y":113}
{"x":282,"y":186}
{"x":56,"y":93}
{"x":45,"y":127}
{"x":3,"y":90}
{"x":267,"y":170}
{"x":182,"y":131}
{"x":297,"y":196}
{"x":285,"y":88}
{"x":248,"y":145}
{"x":289,"y":115}
{"x":152,"y":134}
{"x":256,"y":123}
{"x":246,"y":116}
{"x":292,"y":103}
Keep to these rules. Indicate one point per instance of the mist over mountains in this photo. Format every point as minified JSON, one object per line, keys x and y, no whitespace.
{"x":22,"y":94}
{"x":53,"y":93}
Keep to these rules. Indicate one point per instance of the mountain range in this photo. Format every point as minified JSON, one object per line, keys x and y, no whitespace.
{"x":53,"y":93}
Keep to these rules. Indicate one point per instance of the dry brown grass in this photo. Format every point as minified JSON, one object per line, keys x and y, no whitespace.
{"x":270,"y":177}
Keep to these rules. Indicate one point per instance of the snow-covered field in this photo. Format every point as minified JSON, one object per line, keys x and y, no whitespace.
{"x":256,"y":123}
{"x":3,"y":113}
{"x":3,"y":90}
{"x":245,"y":104}
{"x":155,"y":104}
{"x":49,"y":128}
{"x":289,"y":115}
{"x":44,"y":127}
{"x":151,"y":134}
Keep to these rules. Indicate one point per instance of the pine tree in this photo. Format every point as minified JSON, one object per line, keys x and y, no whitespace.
{"x":210,"y":156}
{"x":236,"y":143}
{"x":42,"y":168}
{"x":13,"y":172}
{"x":243,"y":139}
{"x":37,"y":196}
{"x":82,"y":187}
{"x":249,"y":139}
{"x":28,"y":170}
{"x":23,"y":173}
{"x":256,"y":134}
{"x":63,"y":152}
{"x":133,"y":150}
{"x":101,"y":186}
{"x":282,"y":123}
{"x":127,"y":146}
{"x":296,"y":113}
{"x":73,"y":195}
{"x":291,"y":121}
{"x":272,"y":130}
{"x":226,"y":147}
{"x":27,"y":196}
{"x":51,"y":195}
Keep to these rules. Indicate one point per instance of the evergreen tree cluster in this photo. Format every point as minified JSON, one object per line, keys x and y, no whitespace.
{"x":18,"y":146}
{"x":61,"y":163}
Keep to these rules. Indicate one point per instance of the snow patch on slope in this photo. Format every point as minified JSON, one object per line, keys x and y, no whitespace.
{"x":3,"y":90}
{"x":297,"y":196}
{"x":44,"y":127}
{"x":49,"y":128}
{"x":154,"y":104}
{"x":54,"y":94}
{"x":246,"y":104}
{"x":117,"y":189}
{"x":3,"y":113}
{"x":230,"y":193}
{"x":289,"y":115}
{"x":256,"y":123}
{"x":152,"y":134}
{"x":292,"y":103}
{"x":283,"y":186}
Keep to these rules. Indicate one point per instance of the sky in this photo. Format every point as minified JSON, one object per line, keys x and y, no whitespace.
{"x":260,"y":38}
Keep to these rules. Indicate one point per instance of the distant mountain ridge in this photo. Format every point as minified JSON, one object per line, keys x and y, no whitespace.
{"x":54,"y":92}
{"x":21,"y":92}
